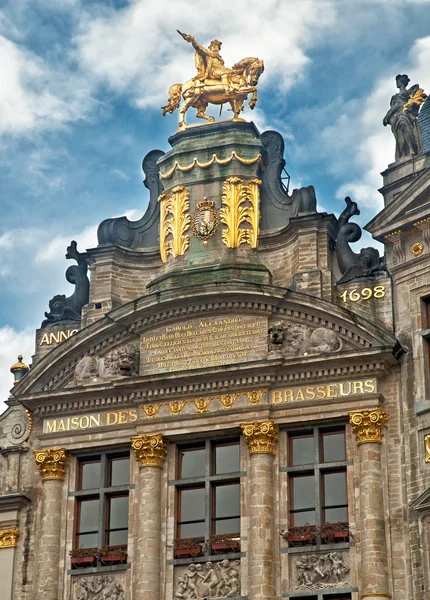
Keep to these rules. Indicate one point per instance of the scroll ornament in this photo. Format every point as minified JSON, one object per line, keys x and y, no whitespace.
{"x":8,"y":537}
{"x":52,"y":463}
{"x":261,"y":436}
{"x":240,"y":212}
{"x":427,"y":446}
{"x":368,"y":425}
{"x":150,"y":450}
{"x":175,"y":221}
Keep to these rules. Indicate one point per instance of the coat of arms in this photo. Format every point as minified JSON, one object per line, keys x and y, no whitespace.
{"x":205,"y":221}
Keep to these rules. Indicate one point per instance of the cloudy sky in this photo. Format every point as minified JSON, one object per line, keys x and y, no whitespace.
{"x":82,"y":82}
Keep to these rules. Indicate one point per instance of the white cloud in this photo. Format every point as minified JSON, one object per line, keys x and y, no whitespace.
{"x":35,"y":96}
{"x":137,"y":51}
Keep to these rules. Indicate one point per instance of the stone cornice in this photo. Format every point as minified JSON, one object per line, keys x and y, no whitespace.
{"x":11,"y":502}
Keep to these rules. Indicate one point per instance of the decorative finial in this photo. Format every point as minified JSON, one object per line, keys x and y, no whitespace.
{"x":19,"y":369}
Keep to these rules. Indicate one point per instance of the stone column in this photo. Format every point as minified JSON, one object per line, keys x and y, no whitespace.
{"x":261,"y":437}
{"x":8,"y":539}
{"x":12,"y":474}
{"x":150,"y":451}
{"x":52,"y":467}
{"x":367,"y":426}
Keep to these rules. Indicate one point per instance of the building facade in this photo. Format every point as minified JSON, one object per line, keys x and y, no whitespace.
{"x":237,"y":405}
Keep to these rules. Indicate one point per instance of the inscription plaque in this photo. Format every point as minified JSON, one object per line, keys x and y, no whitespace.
{"x":201,"y":343}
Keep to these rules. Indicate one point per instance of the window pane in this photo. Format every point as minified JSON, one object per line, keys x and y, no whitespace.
{"x":118,"y":512}
{"x":302,"y":451}
{"x":227,"y":459}
{"x":90,"y":475}
{"x":334,"y":488}
{"x":119,"y":471}
{"x":227,"y":500}
{"x":304,"y":518}
{"x":192,"y":462}
{"x":227,"y":526}
{"x":333,"y":446}
{"x":87,"y":540}
{"x":303,"y":492}
{"x":192,"y":530}
{"x":117,"y":538}
{"x":89,"y":515}
{"x":192,"y":504}
{"x":334,"y":515}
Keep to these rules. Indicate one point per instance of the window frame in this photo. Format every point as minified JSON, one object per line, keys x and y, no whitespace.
{"x":209,"y":481}
{"x":104,"y":492}
{"x":317,"y":469}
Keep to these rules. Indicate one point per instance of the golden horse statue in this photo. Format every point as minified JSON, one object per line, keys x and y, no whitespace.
{"x":214,"y":83}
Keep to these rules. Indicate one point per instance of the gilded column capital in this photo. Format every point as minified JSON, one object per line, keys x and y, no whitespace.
{"x":150,"y":450}
{"x":368,"y":425}
{"x":261,"y":436}
{"x":8,"y":537}
{"x":52,"y":463}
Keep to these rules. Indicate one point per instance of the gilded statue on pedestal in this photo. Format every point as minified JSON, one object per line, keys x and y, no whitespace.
{"x":214,"y":83}
{"x":402,"y":116}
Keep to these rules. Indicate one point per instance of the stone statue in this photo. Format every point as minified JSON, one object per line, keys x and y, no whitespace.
{"x":367,"y":263}
{"x":214,"y":83}
{"x":101,"y":587}
{"x":321,"y":571}
{"x":220,"y":580}
{"x":69,"y":309}
{"x":291,"y":339}
{"x":120,"y":362}
{"x":402,"y":116}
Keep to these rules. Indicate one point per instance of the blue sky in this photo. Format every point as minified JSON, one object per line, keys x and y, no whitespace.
{"x":80,"y":96}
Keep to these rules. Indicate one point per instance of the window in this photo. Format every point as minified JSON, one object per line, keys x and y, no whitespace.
{"x":102,"y":501}
{"x":208,"y":497}
{"x":317,"y":482}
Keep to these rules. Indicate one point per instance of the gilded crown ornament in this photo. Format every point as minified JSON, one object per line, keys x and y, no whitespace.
{"x":261,"y":436}
{"x":52,"y":463}
{"x":214,"y":83}
{"x":9,"y":537}
{"x":150,"y":450}
{"x":368,"y":425}
{"x":19,"y":369}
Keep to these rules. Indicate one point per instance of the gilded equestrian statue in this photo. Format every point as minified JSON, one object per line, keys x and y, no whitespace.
{"x":214,"y":83}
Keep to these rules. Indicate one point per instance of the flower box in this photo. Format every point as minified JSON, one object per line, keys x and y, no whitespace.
{"x":114,"y":557}
{"x":83,"y":561}
{"x":224,"y":547}
{"x":190,"y":552}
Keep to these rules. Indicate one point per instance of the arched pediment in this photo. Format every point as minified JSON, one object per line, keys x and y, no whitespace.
{"x":123,"y":330}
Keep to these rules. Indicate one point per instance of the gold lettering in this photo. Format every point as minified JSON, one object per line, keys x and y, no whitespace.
{"x":84,"y":422}
{"x":288,"y":396}
{"x":63,"y":336}
{"x":342,"y":391}
{"x":310,"y":393}
{"x":51,"y":426}
{"x":358,"y":387}
{"x":74,"y":423}
{"x":109,"y":418}
{"x":61,"y":426}
{"x":94,"y":421}
{"x":321,"y":391}
{"x":45,"y":339}
{"x":132,"y":415}
{"x":299,"y":395}
{"x":54,"y":338}
{"x":276,"y":397}
{"x":122,"y":416}
{"x":332,"y":390}
{"x":369,"y":385}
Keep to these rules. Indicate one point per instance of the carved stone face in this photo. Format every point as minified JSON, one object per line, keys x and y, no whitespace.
{"x":57,"y":304}
{"x":276,"y":334}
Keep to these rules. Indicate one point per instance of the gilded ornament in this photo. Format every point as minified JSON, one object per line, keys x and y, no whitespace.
{"x":205,"y":165}
{"x":214,"y":83}
{"x":368,"y":425}
{"x":176,"y":406}
{"x":8,"y":537}
{"x":241,"y":206}
{"x":228,"y":400}
{"x":150,"y":450}
{"x":418,"y":98}
{"x":423,"y":223}
{"x":150,"y":410}
{"x":205,"y":222}
{"x":427,"y":446}
{"x":52,"y":463}
{"x":30,"y":423}
{"x":174,"y":222}
{"x":202,"y":404}
{"x":255,"y":396}
{"x":417,"y":248}
{"x":261,"y":436}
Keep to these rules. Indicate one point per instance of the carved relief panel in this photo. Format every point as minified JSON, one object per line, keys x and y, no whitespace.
{"x":210,"y":580}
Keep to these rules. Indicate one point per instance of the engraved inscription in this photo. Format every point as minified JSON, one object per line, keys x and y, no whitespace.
{"x":204,"y":343}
